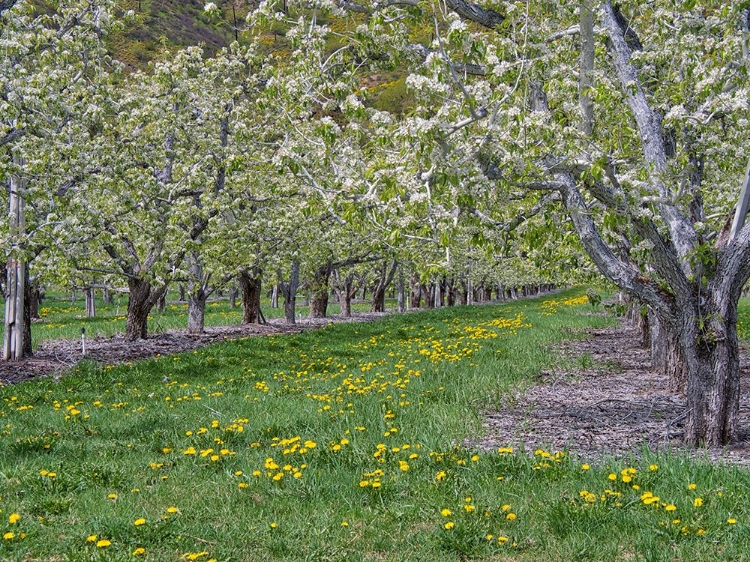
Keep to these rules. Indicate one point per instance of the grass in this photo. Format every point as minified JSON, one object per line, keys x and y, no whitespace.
{"x":341,"y":444}
{"x":62,"y":318}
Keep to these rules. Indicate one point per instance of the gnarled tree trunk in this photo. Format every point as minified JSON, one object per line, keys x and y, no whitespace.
{"x":378,"y":292}
{"x":141,"y":300}
{"x":250,"y":285}
{"x":415,"y":292}
{"x":289,"y":291}
{"x":319,"y":289}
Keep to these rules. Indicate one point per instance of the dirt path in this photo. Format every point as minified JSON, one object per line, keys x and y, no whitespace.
{"x":616,"y":406}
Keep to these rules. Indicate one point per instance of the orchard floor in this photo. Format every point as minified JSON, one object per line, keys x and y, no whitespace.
{"x":53,"y":358}
{"x":609,"y":403}
{"x":602,"y":401}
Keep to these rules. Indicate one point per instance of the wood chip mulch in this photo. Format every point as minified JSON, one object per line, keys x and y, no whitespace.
{"x":611,"y":405}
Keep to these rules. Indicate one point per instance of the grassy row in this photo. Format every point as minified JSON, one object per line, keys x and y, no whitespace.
{"x":341,"y":444}
{"x":63,"y":318}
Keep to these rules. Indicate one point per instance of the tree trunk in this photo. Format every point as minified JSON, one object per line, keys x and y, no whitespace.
{"x":378,"y":292}
{"x":182,"y":292}
{"x":319,"y":289}
{"x":90,"y":303}
{"x":486,"y":293}
{"x":198,"y":292}
{"x":197,"y":311}
{"x":346,"y":289}
{"x":429,"y":295}
{"x":463,"y":292}
{"x":400,"y":299}
{"x":250,"y":285}
{"x":161,"y":304}
{"x":107,"y":295}
{"x":34,"y":298}
{"x":17,"y":270}
{"x":415,"y":293}
{"x":711,"y":355}
{"x":275,"y":296}
{"x":233,"y":297}
{"x":666,"y":358}
{"x":27,"y":351}
{"x":141,"y":300}
{"x":289,"y":290}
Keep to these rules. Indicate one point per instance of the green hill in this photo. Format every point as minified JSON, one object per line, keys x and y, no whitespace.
{"x":167,"y":24}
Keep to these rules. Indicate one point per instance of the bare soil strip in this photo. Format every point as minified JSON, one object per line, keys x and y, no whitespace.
{"x":615,"y":407}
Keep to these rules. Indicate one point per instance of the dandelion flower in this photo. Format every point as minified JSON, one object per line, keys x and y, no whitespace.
{"x":172,"y":509}
{"x":731,"y":521}
{"x":140,"y":551}
{"x":511,"y":517}
{"x":585,"y":467}
{"x":14,"y":518}
{"x":91,"y":538}
{"x":449,"y":525}
{"x":446,"y":512}
{"x":8,"y":536}
{"x":140,"y":521}
{"x":697,"y":502}
{"x":104,"y":543}
{"x":671,"y":507}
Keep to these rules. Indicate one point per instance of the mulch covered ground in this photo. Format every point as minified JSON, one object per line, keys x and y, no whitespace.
{"x":615,"y":406}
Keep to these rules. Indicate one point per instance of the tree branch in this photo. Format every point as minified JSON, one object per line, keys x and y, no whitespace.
{"x":12,"y":135}
{"x":6,"y":5}
{"x":650,"y":131}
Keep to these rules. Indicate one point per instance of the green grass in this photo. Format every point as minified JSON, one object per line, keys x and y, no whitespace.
{"x":370,"y":419}
{"x":63,"y":319}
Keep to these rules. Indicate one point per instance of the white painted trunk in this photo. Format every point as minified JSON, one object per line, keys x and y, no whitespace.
{"x":14,"y":303}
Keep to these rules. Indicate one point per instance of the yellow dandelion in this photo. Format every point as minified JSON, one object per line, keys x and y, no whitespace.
{"x":140,"y":521}
{"x":103,"y":543}
{"x":8,"y":536}
{"x":14,"y":518}
{"x":697,"y":502}
{"x":731,"y":521}
{"x":511,"y":517}
{"x":446,"y":512}
{"x":140,"y":551}
{"x":91,"y":538}
{"x":449,"y":525}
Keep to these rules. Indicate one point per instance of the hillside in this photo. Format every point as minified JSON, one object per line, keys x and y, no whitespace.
{"x":168,"y":24}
